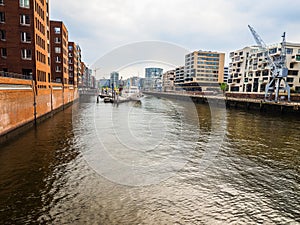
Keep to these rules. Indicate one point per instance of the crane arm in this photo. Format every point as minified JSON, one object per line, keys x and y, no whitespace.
{"x":259,"y":41}
{"x":257,"y":38}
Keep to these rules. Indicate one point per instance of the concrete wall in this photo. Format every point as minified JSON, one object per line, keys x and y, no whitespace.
{"x":21,"y":104}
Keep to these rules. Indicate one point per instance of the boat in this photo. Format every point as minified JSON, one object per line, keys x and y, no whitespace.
{"x":132,"y":93}
{"x":108,"y":100}
{"x":103,"y":95}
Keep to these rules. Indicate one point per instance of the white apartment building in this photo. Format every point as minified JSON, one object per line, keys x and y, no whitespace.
{"x":249,"y":71}
{"x":204,"y":70}
{"x":168,"y":80}
{"x":226,"y":74}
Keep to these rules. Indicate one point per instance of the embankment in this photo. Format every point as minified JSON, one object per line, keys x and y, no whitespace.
{"x":248,"y":102}
{"x":22,"y":106}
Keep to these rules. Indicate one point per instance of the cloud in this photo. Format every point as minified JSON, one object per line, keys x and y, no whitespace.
{"x":101,"y":25}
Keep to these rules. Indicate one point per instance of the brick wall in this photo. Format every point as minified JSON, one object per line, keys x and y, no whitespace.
{"x":57,"y":98}
{"x":17,"y":99}
{"x":43,"y":102}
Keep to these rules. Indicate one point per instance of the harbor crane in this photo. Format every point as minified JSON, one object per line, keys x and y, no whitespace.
{"x":279,"y":70}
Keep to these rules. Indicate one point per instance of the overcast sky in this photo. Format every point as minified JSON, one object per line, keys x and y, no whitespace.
{"x":100,"y":26}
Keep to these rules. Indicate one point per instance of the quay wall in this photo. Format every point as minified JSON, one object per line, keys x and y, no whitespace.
{"x":294,"y":97}
{"x":247,"y":102}
{"x":22,"y":105}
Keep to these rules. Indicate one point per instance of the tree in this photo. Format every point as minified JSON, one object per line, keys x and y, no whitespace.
{"x":223,"y":87}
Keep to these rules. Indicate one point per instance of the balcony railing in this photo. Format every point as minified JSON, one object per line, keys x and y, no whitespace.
{"x":15,"y":75}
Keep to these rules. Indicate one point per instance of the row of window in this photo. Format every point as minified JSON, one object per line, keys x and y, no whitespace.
{"x":208,"y":59}
{"x":40,"y":42}
{"x":25,"y":53}
{"x":58,"y":59}
{"x":207,"y":71}
{"x":207,"y":63}
{"x":39,"y":11}
{"x":24,"y":19}
{"x":39,"y":26}
{"x":40,"y":57}
{"x":206,"y":79}
{"x":25,"y":36}
{"x":41,"y":76}
{"x":208,"y":54}
{"x":58,"y":50}
{"x":289,"y":51}
{"x":208,"y":67}
{"x":58,"y":69}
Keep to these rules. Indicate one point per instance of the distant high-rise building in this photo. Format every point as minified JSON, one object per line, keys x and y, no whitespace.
{"x":153,"y":72}
{"x":204,"y":70}
{"x":114,"y":79}
{"x":104,"y":83}
{"x":168,"y":80}
{"x":179,"y":77}
{"x":153,"y":78}
{"x":59,"y":52}
{"x":24,"y":39}
{"x":84,"y":76}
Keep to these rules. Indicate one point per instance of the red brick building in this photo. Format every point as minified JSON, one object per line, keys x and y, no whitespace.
{"x":74,"y":60}
{"x":24,"y":39}
{"x":59,"y":52}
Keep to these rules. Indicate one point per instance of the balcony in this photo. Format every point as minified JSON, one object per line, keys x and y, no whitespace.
{"x":15,"y":75}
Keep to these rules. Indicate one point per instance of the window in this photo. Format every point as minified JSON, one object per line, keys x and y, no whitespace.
{"x":57,"y":50}
{"x":70,"y":48}
{"x":1,"y":2}
{"x":2,"y":17}
{"x":57,"y":30}
{"x":3,"y":52}
{"x":2,"y":35}
{"x":57,"y":40}
{"x":273,"y":51}
{"x":289,"y":51}
{"x":57,"y":59}
{"x":26,"y":54}
{"x":24,"y":19}
{"x":24,"y":3}
{"x":58,"y":69}
{"x":25,"y":37}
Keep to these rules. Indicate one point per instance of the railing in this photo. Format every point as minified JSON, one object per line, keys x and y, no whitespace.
{"x":15,"y":75}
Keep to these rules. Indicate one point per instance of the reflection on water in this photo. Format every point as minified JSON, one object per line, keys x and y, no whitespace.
{"x":253,"y":178}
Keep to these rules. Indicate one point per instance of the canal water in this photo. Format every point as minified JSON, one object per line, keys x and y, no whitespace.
{"x":156,"y":162}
